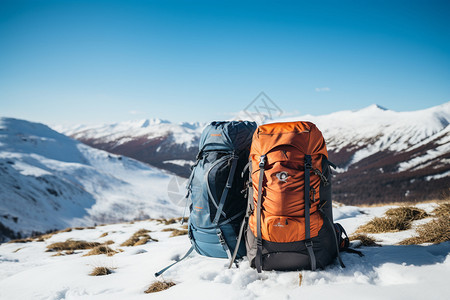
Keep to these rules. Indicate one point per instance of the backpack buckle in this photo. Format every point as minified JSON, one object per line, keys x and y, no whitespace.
{"x":308,"y":243}
{"x":220,"y":235}
{"x":259,"y":242}
{"x":308,"y":162}
{"x":322,"y":177}
{"x":262,"y":161}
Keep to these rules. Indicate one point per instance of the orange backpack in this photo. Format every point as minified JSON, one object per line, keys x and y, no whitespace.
{"x":289,"y":211}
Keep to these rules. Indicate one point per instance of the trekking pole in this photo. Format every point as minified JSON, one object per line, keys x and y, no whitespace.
{"x":241,"y":230}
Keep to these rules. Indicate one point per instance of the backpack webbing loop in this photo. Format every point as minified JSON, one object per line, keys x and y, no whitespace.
{"x":308,"y":242}
{"x":258,"y":258}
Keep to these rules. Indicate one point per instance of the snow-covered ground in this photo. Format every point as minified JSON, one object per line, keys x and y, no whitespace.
{"x":387,"y":272}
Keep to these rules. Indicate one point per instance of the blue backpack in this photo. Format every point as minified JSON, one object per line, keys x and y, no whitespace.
{"x":216,"y":189}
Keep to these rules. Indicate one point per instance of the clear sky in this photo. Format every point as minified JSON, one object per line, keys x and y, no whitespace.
{"x":69,"y":62}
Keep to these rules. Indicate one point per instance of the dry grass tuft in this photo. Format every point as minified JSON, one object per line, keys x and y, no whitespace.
{"x":159,"y":286}
{"x":436,"y":231}
{"x":142,"y":241}
{"x":100,"y":271}
{"x":443,"y":210}
{"x":384,"y":224}
{"x":102,"y":249}
{"x":172,"y":220}
{"x":142,"y":231}
{"x":364,"y":239}
{"x":71,"y":245}
{"x":46,"y":236}
{"x":20,"y":241}
{"x":177,"y":232}
{"x":67,"y":252}
{"x":109,"y":242}
{"x":140,"y":237}
{"x":103,"y":235}
{"x":396,"y":219}
{"x":408,"y":213}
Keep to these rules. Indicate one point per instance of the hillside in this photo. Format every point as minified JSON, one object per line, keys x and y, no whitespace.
{"x":157,"y":142}
{"x":50,"y":181}
{"x":387,"y":156}
{"x":382,"y":155}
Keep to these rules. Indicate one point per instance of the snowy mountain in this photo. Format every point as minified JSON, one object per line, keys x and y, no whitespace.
{"x":382,"y":155}
{"x":386,"y":156}
{"x":158,"y":142}
{"x":391,"y":271}
{"x":50,"y":181}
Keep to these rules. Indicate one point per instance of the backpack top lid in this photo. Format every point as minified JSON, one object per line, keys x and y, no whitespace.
{"x":305,"y":136}
{"x":227,"y":136}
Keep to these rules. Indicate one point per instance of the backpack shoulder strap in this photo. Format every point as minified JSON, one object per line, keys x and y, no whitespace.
{"x":308,"y":241}
{"x":258,"y":258}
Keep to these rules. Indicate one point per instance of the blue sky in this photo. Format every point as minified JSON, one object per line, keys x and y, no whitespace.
{"x":72,"y":62}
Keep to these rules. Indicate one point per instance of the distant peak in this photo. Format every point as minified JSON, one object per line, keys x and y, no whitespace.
{"x":374,"y":107}
{"x":149,"y":122}
{"x":377,"y":106}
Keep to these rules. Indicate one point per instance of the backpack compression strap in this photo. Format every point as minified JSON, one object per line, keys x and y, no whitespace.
{"x":215,"y":222}
{"x":308,"y":241}
{"x":228,"y":185}
{"x":258,"y":258}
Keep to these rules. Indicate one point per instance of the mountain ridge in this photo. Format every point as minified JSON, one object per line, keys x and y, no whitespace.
{"x":371,"y":147}
{"x":50,"y":181}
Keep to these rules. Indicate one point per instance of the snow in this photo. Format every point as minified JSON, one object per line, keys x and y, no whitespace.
{"x":179,"y":162}
{"x":420,"y":161}
{"x":438,"y":176}
{"x":50,"y":181}
{"x":389,"y":272}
